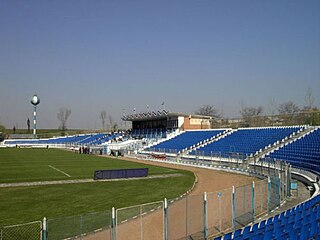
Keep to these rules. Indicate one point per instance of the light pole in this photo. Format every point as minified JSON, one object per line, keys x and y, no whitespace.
{"x":35,"y":100}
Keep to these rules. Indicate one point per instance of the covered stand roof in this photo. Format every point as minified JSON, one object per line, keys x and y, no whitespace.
{"x":150,"y":115}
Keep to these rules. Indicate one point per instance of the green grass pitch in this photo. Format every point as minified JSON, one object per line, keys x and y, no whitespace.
{"x":23,"y":204}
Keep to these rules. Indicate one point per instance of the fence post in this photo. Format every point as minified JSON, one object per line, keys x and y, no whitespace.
{"x":44,"y":229}
{"x":233,"y":209}
{"x":204,"y":215}
{"x":289,"y":180}
{"x":113,"y":225}
{"x":269,"y":193}
{"x":253,"y":202}
{"x":165,"y":209}
{"x":279,"y":188}
{"x":286,"y":181}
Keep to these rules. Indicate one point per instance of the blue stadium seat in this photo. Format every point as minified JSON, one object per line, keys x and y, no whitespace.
{"x":303,"y":153}
{"x":303,"y":222}
{"x":227,"y":236}
{"x":186,"y":140}
{"x":248,"y":141}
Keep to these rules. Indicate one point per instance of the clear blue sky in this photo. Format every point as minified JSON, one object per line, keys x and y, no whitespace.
{"x":118,"y":55}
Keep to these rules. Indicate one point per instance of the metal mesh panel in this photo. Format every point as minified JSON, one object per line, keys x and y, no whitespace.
{"x":195,"y":214}
{"x":219,"y":211}
{"x":283,"y":184}
{"x":97,"y":224}
{"x":243,"y":206}
{"x":64,"y":227}
{"x":76,"y":226}
{"x":261,"y":197}
{"x":177,"y":219}
{"x":140,"y":222}
{"x":27,"y":231}
{"x":274,"y":192}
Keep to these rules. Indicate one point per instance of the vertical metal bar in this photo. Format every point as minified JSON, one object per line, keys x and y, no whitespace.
{"x":44,"y":229}
{"x":233,"y":209}
{"x":253,"y":198}
{"x":113,"y":225}
{"x":165,"y":219}
{"x":286,"y":182}
{"x":269,"y":193}
{"x":279,"y":189}
{"x":205,"y":215}
{"x":34,"y":121}
{"x":289,"y":180}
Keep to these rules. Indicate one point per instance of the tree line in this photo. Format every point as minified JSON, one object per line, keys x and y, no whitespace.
{"x":286,"y":113}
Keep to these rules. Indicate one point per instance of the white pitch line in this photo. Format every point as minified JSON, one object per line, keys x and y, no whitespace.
{"x":59,"y":170}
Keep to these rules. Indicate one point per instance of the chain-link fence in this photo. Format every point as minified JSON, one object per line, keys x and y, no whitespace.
{"x":200,"y":216}
{"x":243,"y":205}
{"x":26,"y":231}
{"x":80,"y":226}
{"x":261,"y":197}
{"x":219,"y":211}
{"x":140,"y":222}
{"x":192,"y":216}
{"x":186,"y":218}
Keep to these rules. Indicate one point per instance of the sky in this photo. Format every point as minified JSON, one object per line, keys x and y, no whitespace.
{"x":117,"y":55}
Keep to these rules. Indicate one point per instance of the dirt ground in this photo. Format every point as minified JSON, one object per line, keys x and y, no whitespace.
{"x":151,"y":226}
{"x":208,"y":180}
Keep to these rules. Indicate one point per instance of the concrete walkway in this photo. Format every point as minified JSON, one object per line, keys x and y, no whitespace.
{"x":43,"y":183}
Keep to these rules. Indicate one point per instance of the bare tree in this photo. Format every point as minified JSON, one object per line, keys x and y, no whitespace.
{"x":309,"y":99}
{"x":2,"y":132}
{"x":103,"y":116}
{"x":209,"y":110}
{"x":251,"y":115}
{"x":273,"y":107}
{"x":288,"y":108}
{"x":248,"y":112}
{"x":63,"y":116}
{"x":113,"y":125}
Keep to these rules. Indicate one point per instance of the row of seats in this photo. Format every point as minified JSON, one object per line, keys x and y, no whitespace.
{"x":86,"y":139}
{"x":186,"y":140}
{"x":304,"y":152}
{"x":248,"y":141}
{"x":300,"y":222}
{"x":149,"y":133}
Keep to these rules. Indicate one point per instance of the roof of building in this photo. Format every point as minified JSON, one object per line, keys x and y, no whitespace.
{"x":153,"y":115}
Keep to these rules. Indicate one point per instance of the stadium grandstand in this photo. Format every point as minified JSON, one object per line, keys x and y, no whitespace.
{"x":189,"y":139}
{"x":67,"y":141}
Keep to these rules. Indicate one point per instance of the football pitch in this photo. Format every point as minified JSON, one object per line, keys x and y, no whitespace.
{"x":24,"y":204}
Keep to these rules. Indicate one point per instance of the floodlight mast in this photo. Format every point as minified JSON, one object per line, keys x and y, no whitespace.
{"x":35,"y":100}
